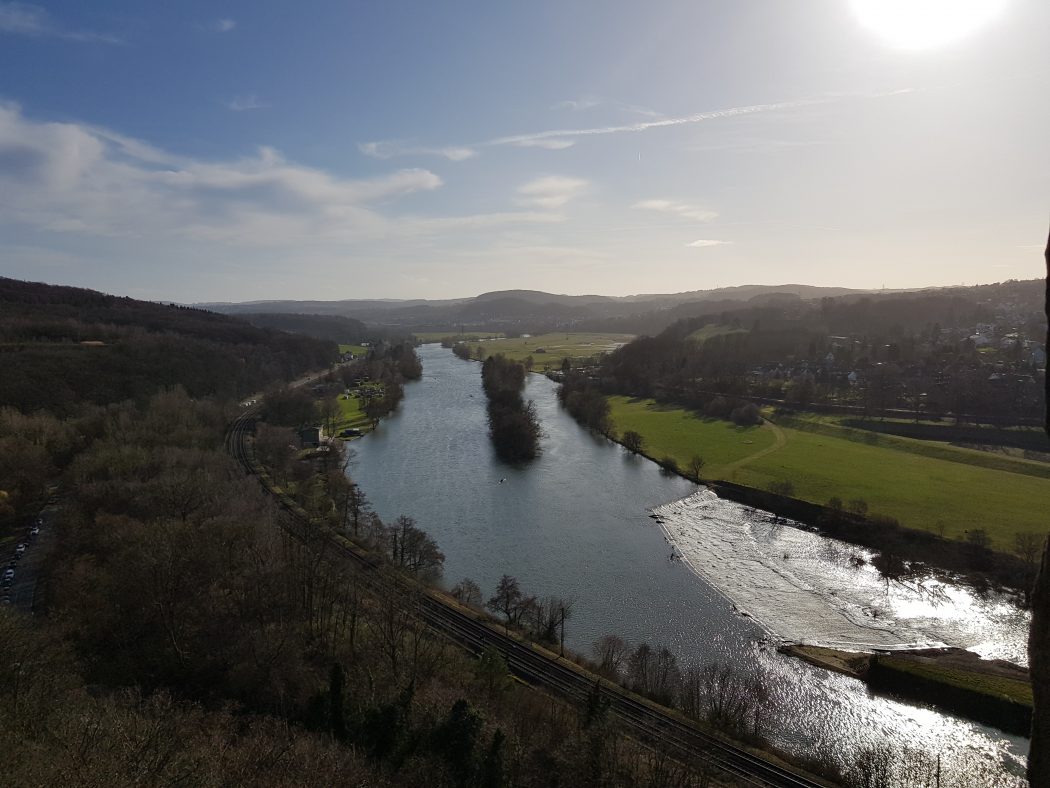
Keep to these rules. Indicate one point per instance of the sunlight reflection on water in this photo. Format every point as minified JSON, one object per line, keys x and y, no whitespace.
{"x":575,"y":523}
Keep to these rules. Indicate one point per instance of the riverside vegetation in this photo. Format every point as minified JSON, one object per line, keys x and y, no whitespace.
{"x":955,"y":507}
{"x":181,"y":635}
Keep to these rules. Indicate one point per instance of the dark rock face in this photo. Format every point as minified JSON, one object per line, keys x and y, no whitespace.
{"x":1039,"y":669}
{"x":1039,"y":636}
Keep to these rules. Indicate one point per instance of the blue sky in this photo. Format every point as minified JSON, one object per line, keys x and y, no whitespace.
{"x":198,"y":151}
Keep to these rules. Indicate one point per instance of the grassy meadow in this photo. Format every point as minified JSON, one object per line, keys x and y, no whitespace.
{"x":669,"y":431}
{"x":924,"y":484}
{"x":351,"y":415}
{"x":555,"y":347}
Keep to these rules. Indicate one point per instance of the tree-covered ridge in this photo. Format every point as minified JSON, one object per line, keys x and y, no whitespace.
{"x":925,"y":354}
{"x":61,"y":347}
{"x":335,"y":328}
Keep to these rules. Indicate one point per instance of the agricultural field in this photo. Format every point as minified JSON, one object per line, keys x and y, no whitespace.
{"x":469,"y":336}
{"x":548,"y":350}
{"x":357,"y":350}
{"x":924,"y":484}
{"x":999,"y":459}
{"x":670,"y":431}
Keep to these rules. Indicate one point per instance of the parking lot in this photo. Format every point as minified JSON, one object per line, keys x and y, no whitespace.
{"x":21,"y":559}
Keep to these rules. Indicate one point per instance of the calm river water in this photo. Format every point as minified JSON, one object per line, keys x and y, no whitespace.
{"x":576,"y":523}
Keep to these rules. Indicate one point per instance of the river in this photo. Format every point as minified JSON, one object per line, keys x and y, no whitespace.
{"x":577,"y":523}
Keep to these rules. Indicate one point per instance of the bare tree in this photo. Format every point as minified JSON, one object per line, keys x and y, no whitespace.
{"x":696,"y":466}
{"x":412,"y":549}
{"x":611,"y":653}
{"x":467,"y":592}
{"x":507,"y":600}
{"x":633,"y":441}
{"x":724,"y":696}
{"x":1027,"y":545}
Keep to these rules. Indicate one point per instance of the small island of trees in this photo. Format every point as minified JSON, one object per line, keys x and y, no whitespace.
{"x":513,"y":425}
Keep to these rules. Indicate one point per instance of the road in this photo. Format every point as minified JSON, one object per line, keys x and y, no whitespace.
{"x":673,"y":734}
{"x":22,"y":593}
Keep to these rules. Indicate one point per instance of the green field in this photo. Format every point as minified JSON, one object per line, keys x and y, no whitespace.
{"x":981,"y":683}
{"x":555,"y":347}
{"x":712,"y":330}
{"x":351,"y":415}
{"x":469,"y":336}
{"x":669,"y":431}
{"x":930,"y":486}
{"x":357,"y":350}
{"x":936,"y":449}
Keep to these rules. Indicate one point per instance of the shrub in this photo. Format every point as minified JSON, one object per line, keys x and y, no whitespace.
{"x":632,"y":441}
{"x":746,"y":415}
{"x":670,"y":464}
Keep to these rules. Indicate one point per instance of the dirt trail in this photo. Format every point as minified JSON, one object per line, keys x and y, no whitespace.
{"x":779,"y":442}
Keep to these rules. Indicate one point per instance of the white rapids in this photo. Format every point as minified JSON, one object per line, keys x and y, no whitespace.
{"x":803,"y":587}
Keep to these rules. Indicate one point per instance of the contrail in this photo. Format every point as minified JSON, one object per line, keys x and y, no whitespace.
{"x":697,"y":117}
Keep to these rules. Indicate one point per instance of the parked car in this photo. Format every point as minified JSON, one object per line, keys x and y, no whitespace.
{"x":20,"y":549}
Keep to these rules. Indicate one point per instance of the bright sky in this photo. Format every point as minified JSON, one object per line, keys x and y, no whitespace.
{"x":199,"y":151}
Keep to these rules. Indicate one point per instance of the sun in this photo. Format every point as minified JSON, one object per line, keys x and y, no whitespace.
{"x":924,"y":24}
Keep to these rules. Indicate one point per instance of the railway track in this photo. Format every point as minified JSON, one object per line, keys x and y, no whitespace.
{"x":678,"y":738}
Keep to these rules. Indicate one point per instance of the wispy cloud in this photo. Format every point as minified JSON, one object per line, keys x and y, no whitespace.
{"x":77,"y":178}
{"x":633,"y":128}
{"x":681,"y":209}
{"x":389,"y":149}
{"x":547,"y":144}
{"x":559,"y":139}
{"x":705,"y":242}
{"x":68,"y":177}
{"x":591,"y":102}
{"x":31,"y":20}
{"x":246,"y":103}
{"x":577,"y":105}
{"x":551,"y":191}
{"x":222,"y":25}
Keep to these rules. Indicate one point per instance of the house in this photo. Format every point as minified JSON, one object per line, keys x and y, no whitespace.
{"x":311,"y":437}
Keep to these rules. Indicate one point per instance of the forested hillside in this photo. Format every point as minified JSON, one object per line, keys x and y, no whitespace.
{"x":61,"y":347}
{"x":180,"y":635}
{"x":335,"y":328}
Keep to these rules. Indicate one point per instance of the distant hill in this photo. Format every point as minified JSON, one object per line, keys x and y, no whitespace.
{"x":61,"y":347}
{"x":536,"y":311}
{"x":532,"y":309}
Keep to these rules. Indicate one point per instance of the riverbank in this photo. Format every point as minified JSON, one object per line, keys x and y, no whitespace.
{"x":742,"y":463}
{"x":994,"y":692}
{"x":574,"y":522}
{"x":942,"y":490}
